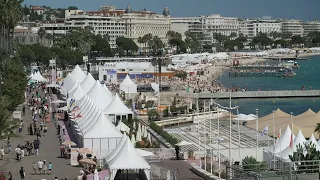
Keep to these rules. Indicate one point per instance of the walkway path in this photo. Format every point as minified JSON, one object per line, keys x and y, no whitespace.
{"x":49,"y":150}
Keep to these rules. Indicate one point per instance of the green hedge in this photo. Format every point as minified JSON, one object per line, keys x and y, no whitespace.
{"x":164,"y":134}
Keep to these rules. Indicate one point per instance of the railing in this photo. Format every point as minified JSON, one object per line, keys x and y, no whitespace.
{"x":160,"y":153}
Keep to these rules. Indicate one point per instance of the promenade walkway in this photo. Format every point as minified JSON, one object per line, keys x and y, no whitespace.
{"x":49,"y":150}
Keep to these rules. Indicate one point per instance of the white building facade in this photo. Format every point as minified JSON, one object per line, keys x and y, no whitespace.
{"x":313,"y":26}
{"x":184,"y":24}
{"x":292,"y":26}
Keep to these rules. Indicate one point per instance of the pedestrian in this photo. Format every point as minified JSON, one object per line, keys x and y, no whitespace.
{"x":45,"y":167}
{"x":55,"y":178}
{"x":40,"y":165}
{"x":9,"y":176}
{"x":22,"y":173}
{"x":34,"y":166}
{"x":45,"y":129}
{"x":49,"y":167}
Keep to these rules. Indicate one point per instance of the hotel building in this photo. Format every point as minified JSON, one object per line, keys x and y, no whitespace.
{"x":313,"y":26}
{"x":292,"y":26}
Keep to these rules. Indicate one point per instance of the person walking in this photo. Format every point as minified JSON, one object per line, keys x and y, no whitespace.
{"x":34,"y":167}
{"x":40,"y":165}
{"x":22,"y":173}
{"x":45,"y":167}
{"x":49,"y":168}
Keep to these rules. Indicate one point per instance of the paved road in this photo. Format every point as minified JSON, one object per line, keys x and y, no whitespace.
{"x":49,"y":150}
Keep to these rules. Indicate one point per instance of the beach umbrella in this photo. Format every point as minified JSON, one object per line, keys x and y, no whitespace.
{"x":68,"y":142}
{"x":87,"y":161}
{"x":133,"y":139}
{"x":145,"y":133}
{"x":85,"y":151}
{"x":138,"y":136}
{"x":134,"y":125}
{"x":142,"y":131}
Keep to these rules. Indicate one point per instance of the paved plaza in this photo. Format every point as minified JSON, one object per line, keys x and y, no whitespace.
{"x":49,"y":150}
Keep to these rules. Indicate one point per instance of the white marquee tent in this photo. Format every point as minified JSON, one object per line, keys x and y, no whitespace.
{"x":299,"y":139}
{"x":78,"y":74}
{"x":127,"y":158}
{"x":283,"y":142}
{"x":87,"y":83}
{"x":128,"y":86}
{"x":313,"y":141}
{"x":106,"y":89}
{"x":117,"y":107}
{"x":38,"y":77}
{"x":122,"y":127}
{"x":99,"y":96}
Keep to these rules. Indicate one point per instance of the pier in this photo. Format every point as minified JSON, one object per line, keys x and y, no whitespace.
{"x":259,"y":94}
{"x":256,"y":70}
{"x":285,"y":58}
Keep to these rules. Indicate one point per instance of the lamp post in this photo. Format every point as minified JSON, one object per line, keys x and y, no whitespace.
{"x":257,"y":129}
{"x":230,"y":124}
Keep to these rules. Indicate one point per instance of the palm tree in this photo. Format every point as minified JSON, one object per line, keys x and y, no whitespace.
{"x":317,"y":129}
{"x":140,"y":41}
{"x":7,"y":124}
{"x":42,"y":32}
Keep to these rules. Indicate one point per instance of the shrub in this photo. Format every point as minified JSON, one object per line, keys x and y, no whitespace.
{"x":163,"y":133}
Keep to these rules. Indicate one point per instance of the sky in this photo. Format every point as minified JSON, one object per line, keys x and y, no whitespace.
{"x":305,"y":10}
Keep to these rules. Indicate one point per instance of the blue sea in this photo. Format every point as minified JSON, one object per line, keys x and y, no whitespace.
{"x":308,"y":75}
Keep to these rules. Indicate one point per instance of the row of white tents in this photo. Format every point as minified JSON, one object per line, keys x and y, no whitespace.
{"x":36,"y":77}
{"x":92,"y":108}
{"x":287,"y":144}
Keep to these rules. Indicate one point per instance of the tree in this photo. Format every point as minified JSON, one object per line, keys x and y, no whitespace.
{"x":42,"y":54}
{"x":141,"y":40}
{"x":26,"y":10}
{"x":101,"y":46}
{"x":72,"y":8}
{"x":262,"y":40}
{"x":127,"y":45}
{"x":42,"y":32}
{"x":14,"y":82}
{"x":194,"y":41}
{"x":7,"y":124}
{"x":26,"y":54}
{"x":146,"y":39}
{"x":283,"y":43}
{"x":250,"y":163}
{"x":297,"y":40}
{"x":156,"y":45}
{"x":306,"y":158}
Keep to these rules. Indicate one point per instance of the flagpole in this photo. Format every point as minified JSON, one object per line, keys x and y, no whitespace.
{"x":205,"y":138}
{"x":291,"y":139}
{"x":210,"y":139}
{"x":239,"y":135}
{"x":230,"y":124}
{"x":219,"y":161}
{"x":274,"y":140}
{"x":198,"y":132}
{"x":257,"y":129}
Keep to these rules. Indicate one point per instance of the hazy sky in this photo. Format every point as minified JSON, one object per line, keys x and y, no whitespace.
{"x":294,"y":9}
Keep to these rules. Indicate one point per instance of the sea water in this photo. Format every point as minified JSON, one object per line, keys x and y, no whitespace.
{"x":308,"y":75}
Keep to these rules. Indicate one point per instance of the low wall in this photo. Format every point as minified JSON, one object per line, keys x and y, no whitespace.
{"x":258,"y":94}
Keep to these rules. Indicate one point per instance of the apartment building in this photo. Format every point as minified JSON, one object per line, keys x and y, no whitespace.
{"x":292,"y":26}
{"x":312,"y":26}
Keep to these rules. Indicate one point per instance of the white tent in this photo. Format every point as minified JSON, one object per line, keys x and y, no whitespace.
{"x":38,"y":77}
{"x":155,"y":87}
{"x":67,"y":83}
{"x":106,"y":89}
{"x":128,"y":158}
{"x":100,"y":135}
{"x":133,"y":139}
{"x":78,"y":94}
{"x":87,"y":83}
{"x":78,"y":74}
{"x":99,"y":96}
{"x":117,"y":107}
{"x":128,"y":86}
{"x":283,"y":142}
{"x":122,"y":127}
{"x":299,"y":139}
{"x":313,"y":141}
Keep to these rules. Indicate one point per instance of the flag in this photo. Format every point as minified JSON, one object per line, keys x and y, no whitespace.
{"x":265,"y":130}
{"x":187,"y":89}
{"x":76,"y":108}
{"x":279,"y":135}
{"x":78,"y":116}
{"x":62,"y":84}
{"x":291,"y":141}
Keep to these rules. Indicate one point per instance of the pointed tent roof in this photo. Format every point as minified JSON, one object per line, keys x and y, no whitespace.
{"x":283,"y":142}
{"x":38,"y":77}
{"x":78,"y":93}
{"x":309,"y":120}
{"x":87,"y":83}
{"x":102,"y":128}
{"x":314,"y":141}
{"x":299,"y":139}
{"x":122,"y":127}
{"x":128,"y":158}
{"x":99,"y":96}
{"x":117,"y":149}
{"x":67,"y":83}
{"x":279,"y":118}
{"x":78,"y":74}
{"x":127,"y":81}
{"x":306,"y":114}
{"x":106,"y":89}
{"x":117,"y":107}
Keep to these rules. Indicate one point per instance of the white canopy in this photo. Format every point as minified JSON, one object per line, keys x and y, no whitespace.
{"x":128,"y":158}
{"x":99,"y":96}
{"x":313,"y":140}
{"x":245,"y":117}
{"x":102,"y":128}
{"x":144,"y":153}
{"x":122,"y":127}
{"x":117,"y":107}
{"x":155,"y":87}
{"x":106,"y":89}
{"x":78,"y":74}
{"x":58,"y":101}
{"x":38,"y":77}
{"x":67,"y":83}
{"x":78,"y":93}
{"x":87,"y":83}
{"x":128,"y":86}
{"x":299,"y":139}
{"x":283,"y":142}
{"x":53,"y":85}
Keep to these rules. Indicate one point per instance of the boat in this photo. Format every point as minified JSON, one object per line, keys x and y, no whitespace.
{"x":291,"y":64}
